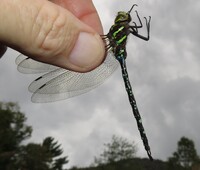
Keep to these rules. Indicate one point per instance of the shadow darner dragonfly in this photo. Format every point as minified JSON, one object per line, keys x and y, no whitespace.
{"x":58,"y":83}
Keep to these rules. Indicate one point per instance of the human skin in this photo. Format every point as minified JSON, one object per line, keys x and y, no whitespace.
{"x":64,"y":33}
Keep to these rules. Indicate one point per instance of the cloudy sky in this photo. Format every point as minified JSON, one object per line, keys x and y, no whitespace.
{"x":165,"y":75}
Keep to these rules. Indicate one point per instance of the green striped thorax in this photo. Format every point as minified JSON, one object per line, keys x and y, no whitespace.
{"x":118,"y":34}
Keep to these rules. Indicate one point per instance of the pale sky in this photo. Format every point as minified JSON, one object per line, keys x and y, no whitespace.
{"x":165,"y":77}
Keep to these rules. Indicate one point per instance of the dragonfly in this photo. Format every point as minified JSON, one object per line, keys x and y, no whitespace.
{"x":58,"y":83}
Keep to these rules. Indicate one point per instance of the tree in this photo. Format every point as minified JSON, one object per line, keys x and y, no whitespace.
{"x":16,"y":156}
{"x":32,"y":157}
{"x":13,"y":131}
{"x":186,"y":154}
{"x":54,"y":151}
{"x":45,"y":156}
{"x":118,"y":149}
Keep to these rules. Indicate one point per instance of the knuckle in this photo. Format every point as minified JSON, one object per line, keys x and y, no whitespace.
{"x":54,"y":31}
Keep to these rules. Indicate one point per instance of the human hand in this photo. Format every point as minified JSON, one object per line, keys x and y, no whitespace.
{"x":64,"y":33}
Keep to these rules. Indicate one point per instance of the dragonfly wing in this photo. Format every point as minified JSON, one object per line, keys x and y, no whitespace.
{"x":40,"y":81}
{"x":65,"y":84}
{"x":44,"y":98}
{"x":20,"y":58}
{"x":29,"y":66}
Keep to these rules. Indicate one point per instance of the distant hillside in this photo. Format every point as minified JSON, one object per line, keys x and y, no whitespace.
{"x":132,"y":164}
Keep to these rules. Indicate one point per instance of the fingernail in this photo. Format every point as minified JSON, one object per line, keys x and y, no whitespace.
{"x":88,"y":51}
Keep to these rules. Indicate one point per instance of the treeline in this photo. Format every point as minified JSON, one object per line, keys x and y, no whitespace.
{"x":118,"y":154}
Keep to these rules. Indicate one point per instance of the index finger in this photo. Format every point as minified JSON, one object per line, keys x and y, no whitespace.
{"x":84,"y":10}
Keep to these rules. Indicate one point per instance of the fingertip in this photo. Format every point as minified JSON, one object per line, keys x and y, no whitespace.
{"x":88,"y":52}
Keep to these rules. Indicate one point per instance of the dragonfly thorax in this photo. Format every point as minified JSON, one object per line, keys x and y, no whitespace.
{"x":118,"y":35}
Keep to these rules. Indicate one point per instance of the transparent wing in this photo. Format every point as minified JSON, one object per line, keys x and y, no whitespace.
{"x":61,"y":84}
{"x":29,"y":66}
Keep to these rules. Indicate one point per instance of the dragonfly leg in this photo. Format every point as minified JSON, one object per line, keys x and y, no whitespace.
{"x":104,"y":37}
{"x":106,"y":42}
{"x":135,"y":32}
{"x":132,"y":8}
{"x":148,"y":24}
{"x":141,"y":25}
{"x":135,"y":27}
{"x":108,"y":47}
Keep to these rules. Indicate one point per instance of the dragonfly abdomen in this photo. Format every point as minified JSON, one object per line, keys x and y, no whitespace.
{"x":134,"y":107}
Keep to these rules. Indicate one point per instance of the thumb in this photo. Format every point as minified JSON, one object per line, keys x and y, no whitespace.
{"x":49,"y":33}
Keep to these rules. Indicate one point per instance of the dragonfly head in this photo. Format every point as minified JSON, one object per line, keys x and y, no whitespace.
{"x":124,"y":16}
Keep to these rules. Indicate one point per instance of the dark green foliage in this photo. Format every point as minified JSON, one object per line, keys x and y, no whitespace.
{"x":13,"y":131}
{"x":52,"y":147}
{"x":43,"y":156}
{"x":14,"y":155}
{"x":53,"y":150}
{"x":185,"y":156}
{"x":32,"y":157}
{"x":58,"y":163}
{"x":135,"y":164}
{"x":131,"y":164}
{"x":118,"y":149}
